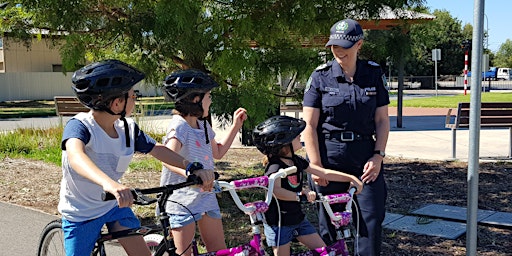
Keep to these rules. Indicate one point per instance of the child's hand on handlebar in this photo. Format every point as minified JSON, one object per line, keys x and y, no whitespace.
{"x":358,"y":184}
{"x":207,"y":177}
{"x":311,"y":195}
{"x":122,"y":193}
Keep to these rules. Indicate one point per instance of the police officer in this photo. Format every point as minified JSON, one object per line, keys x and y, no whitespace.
{"x":345,"y":108}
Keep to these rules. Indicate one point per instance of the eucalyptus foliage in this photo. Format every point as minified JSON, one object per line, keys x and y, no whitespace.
{"x":244,"y":44}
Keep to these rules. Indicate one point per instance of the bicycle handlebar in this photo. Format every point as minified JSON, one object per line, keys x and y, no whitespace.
{"x":139,"y":194}
{"x":344,"y":217}
{"x":257,"y":182}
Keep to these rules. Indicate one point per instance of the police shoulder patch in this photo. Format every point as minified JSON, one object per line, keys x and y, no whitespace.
{"x":372,"y":63}
{"x":384,"y":81}
{"x":308,"y":84}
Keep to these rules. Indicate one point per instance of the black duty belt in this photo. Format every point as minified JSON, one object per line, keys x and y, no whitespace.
{"x":347,"y":136}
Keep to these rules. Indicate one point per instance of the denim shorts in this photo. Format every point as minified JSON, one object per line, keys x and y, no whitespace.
{"x":79,"y":237}
{"x":181,"y":220}
{"x":287,"y":233}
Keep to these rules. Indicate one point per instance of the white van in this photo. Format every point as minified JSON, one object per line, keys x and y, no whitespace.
{"x":504,"y":74}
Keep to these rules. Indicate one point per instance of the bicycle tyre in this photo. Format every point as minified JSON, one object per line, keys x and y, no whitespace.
{"x":152,"y":241}
{"x":157,"y":246}
{"x":51,"y":241}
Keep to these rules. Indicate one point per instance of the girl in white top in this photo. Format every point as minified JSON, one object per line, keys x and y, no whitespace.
{"x":190,"y":134}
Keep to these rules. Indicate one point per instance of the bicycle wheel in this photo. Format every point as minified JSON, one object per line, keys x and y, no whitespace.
{"x":51,"y":241}
{"x":152,"y":241}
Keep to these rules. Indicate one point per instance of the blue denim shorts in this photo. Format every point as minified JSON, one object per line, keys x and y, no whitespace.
{"x":287,"y":233}
{"x":79,"y":237}
{"x":181,"y":220}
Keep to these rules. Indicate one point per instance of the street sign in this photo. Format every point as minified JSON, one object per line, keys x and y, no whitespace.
{"x":436,"y":54}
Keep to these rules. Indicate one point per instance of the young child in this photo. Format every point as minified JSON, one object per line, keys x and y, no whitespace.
{"x":96,"y":149}
{"x":191,"y":136}
{"x":278,"y":138}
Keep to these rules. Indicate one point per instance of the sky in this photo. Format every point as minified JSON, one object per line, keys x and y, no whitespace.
{"x":498,"y":19}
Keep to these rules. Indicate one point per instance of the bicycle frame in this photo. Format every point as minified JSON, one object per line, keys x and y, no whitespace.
{"x":340,"y":220}
{"x":255,"y":210}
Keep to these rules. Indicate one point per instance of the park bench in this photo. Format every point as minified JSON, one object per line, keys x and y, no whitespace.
{"x":295,"y":110}
{"x":68,"y":106}
{"x":493,"y":115}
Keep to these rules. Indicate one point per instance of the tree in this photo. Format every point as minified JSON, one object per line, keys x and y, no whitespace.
{"x":445,"y":33}
{"x":504,"y":55}
{"x":245,"y":44}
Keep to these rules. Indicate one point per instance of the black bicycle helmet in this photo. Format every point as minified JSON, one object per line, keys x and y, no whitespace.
{"x":180,"y":84}
{"x":274,"y":133}
{"x":99,"y":82}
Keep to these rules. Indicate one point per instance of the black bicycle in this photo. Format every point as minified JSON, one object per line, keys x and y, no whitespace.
{"x":51,"y":241}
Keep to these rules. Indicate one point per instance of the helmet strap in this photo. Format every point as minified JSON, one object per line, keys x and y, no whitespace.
{"x":206,"y":132}
{"x":291,"y":149}
{"x":122,"y":118}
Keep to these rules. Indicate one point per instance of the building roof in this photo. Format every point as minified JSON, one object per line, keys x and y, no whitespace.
{"x":389,"y":18}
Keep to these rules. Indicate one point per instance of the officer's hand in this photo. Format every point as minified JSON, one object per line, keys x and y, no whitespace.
{"x":371,"y":169}
{"x":319,"y":181}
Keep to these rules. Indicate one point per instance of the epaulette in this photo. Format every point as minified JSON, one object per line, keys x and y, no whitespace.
{"x":372,"y":63}
{"x":322,"y":67}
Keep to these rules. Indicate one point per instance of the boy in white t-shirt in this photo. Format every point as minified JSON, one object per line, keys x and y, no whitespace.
{"x":190,"y":135}
{"x":96,"y":149}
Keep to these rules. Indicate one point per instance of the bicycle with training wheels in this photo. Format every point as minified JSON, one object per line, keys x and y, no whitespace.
{"x":51,"y":241}
{"x":162,"y":244}
{"x":342,"y":222}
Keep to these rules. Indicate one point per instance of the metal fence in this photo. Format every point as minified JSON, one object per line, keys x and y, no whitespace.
{"x":444,"y":82}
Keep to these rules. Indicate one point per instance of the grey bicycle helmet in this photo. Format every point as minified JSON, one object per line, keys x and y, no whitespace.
{"x":274,"y":133}
{"x":180,"y":84}
{"x":183,"y":86}
{"x":98,"y":83}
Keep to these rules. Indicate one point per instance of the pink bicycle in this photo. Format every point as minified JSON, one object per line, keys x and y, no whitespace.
{"x":162,"y":244}
{"x":342,"y":222}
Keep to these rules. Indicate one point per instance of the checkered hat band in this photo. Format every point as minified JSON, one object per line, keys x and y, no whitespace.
{"x":346,"y":37}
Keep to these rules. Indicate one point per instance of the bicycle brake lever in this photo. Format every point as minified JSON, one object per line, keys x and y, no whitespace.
{"x":141,"y":199}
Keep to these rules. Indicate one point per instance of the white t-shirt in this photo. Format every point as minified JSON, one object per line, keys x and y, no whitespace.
{"x":194,"y":149}
{"x":80,"y":198}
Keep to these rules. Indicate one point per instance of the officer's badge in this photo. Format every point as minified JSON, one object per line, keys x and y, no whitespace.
{"x":370,"y":91}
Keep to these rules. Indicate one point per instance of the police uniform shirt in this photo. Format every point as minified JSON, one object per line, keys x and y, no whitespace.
{"x":347,"y":106}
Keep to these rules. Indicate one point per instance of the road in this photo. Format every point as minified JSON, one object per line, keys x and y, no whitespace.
{"x":21,"y":228}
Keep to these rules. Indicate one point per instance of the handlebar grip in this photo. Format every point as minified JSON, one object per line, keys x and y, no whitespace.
{"x":107,"y":196}
{"x":290,"y":170}
{"x":197,"y":180}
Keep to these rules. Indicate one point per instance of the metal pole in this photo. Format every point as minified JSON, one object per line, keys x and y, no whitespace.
{"x":465,"y":71}
{"x":474,"y":128}
{"x":435,"y":74}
